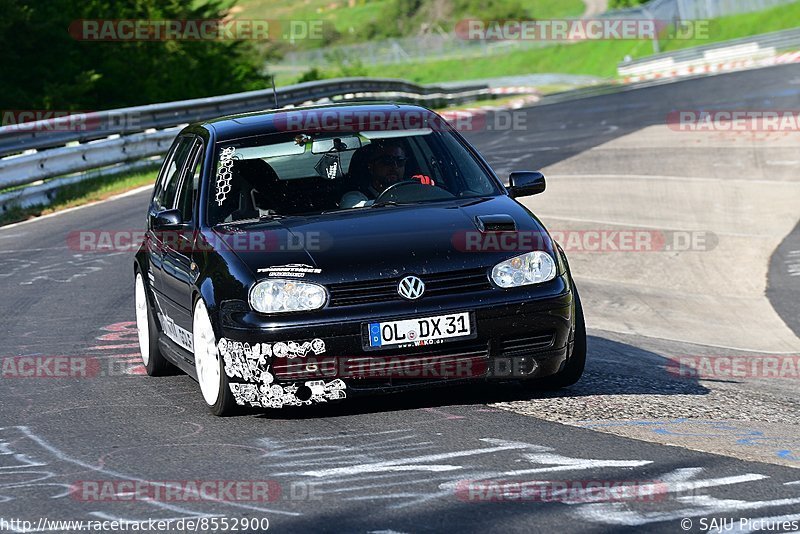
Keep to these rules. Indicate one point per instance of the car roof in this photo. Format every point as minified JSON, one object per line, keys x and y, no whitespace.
{"x":274,"y":120}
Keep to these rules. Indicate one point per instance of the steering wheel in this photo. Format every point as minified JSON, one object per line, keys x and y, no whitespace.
{"x":394,"y":187}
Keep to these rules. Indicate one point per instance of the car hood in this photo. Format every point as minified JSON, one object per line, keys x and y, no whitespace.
{"x":387,"y":242}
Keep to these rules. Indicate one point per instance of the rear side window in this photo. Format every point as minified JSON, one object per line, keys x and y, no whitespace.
{"x":158,"y":192}
{"x":190,"y":183}
{"x":170,"y":174}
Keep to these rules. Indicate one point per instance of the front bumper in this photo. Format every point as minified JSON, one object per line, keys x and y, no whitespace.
{"x":522,"y":333}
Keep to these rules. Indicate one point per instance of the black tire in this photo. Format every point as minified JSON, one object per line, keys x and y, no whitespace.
{"x":573,"y":369}
{"x":226,"y":403}
{"x":154,"y":363}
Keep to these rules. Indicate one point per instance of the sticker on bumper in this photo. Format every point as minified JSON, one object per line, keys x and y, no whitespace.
{"x":251,"y":364}
{"x":292,"y":349}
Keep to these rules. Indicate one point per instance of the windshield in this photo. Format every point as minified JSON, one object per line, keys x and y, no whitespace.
{"x":282,"y":175}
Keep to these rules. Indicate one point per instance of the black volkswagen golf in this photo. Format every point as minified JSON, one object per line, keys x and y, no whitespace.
{"x":303,"y":256}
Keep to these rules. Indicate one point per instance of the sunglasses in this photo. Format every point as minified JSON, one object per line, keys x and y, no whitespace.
{"x":397,"y":161}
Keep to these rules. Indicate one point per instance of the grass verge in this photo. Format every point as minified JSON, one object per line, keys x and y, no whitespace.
{"x":351,"y":18}
{"x":597,"y":58}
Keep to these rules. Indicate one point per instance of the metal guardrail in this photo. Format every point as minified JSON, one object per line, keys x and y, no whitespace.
{"x":44,"y":150}
{"x":50,"y":133}
{"x":31,"y":168}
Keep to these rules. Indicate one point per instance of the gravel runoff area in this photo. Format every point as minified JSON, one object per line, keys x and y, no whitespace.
{"x":632,"y":393}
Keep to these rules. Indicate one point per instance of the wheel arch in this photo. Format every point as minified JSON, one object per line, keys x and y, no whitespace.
{"x":206,"y":292}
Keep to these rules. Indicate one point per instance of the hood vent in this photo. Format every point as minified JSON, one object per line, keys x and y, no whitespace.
{"x":501,"y":222}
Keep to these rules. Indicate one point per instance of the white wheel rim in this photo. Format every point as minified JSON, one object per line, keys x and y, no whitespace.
{"x":142,"y":322}
{"x":206,"y":357}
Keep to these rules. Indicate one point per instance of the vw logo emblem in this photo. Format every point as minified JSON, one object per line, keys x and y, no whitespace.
{"x":411,"y":287}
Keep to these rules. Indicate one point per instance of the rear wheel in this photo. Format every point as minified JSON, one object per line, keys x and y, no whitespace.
{"x":210,"y":374}
{"x":154,"y":362}
{"x":573,"y":370}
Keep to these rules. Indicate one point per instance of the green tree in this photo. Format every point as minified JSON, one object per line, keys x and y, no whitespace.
{"x":623,"y":4}
{"x":45,"y":67}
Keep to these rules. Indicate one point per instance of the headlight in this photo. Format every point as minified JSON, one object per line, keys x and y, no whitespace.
{"x":274,"y":296}
{"x":531,"y":268}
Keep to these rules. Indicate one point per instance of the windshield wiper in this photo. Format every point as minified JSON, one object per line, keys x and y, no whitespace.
{"x":270,"y":217}
{"x":390,"y":203}
{"x":252,"y":220}
{"x":384,"y":203}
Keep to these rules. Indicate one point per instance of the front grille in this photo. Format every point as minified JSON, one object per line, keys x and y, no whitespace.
{"x":523,"y":345}
{"x":450,"y":283}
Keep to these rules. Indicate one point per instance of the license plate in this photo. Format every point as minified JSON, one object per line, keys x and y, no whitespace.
{"x":418,"y":332}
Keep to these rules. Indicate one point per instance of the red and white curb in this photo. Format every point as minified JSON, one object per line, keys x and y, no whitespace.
{"x":710,"y":68}
{"x":790,"y":57}
{"x":514,"y":90}
{"x":517,"y":103}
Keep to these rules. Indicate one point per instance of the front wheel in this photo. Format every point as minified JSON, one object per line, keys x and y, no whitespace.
{"x":154,"y":362}
{"x":208,"y":364}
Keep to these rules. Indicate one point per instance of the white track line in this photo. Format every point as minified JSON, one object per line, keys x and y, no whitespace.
{"x":662,"y":178}
{"x":684,"y":342}
{"x":629,"y":224}
{"x":76,"y":208}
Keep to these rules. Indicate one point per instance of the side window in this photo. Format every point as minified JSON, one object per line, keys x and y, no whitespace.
{"x":190,"y":183}
{"x":158,"y":192}
{"x":170,"y":174}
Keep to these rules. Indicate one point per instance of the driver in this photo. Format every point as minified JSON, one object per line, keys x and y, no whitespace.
{"x":386,"y":167}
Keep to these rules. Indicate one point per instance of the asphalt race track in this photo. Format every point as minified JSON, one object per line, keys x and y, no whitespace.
{"x":726,"y":448}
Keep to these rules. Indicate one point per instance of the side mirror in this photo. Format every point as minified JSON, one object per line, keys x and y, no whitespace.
{"x":167,"y":220}
{"x":525,"y":183}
